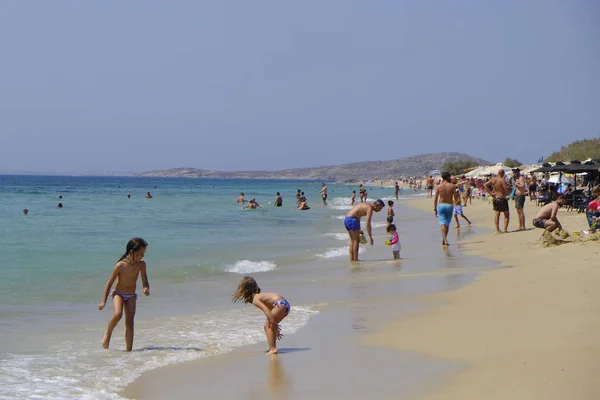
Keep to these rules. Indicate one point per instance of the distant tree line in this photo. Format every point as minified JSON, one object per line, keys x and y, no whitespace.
{"x":578,"y":150}
{"x":459,"y":167}
{"x":463,"y":166}
{"x":512,"y":163}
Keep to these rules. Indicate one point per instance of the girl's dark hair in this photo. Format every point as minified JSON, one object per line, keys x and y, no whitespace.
{"x":391,"y":228}
{"x":133,"y":245}
{"x":390,"y":203}
{"x":246,"y":290}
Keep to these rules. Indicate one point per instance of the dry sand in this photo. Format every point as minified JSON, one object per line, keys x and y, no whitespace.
{"x":528,"y":331}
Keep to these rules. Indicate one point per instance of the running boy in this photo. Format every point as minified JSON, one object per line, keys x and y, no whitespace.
{"x":126,"y":272}
{"x":275,"y":307}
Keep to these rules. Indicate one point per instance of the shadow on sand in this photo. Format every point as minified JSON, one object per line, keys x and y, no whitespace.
{"x":293,"y":349}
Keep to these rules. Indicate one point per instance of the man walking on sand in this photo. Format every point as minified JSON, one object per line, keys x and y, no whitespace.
{"x":498,"y":189}
{"x":520,"y":195}
{"x":430,"y":183}
{"x":443,"y":204}
{"x":546,"y":217}
{"x":352,"y":224}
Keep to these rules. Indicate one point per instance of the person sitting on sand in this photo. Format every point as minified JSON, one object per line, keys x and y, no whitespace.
{"x":546,"y":218}
{"x":593,"y":212}
{"x":253,"y":204}
{"x":352,"y":224}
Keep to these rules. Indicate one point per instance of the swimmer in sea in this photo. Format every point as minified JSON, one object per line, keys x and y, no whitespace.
{"x":324,"y":194}
{"x":253,"y":204}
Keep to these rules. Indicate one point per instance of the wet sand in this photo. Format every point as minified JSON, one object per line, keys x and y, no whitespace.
{"x":528,"y":331}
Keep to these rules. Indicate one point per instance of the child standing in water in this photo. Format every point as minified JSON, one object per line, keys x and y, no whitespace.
{"x":126,"y":273}
{"x":275,"y":307}
{"x":390,"y":213}
{"x":394,"y":241}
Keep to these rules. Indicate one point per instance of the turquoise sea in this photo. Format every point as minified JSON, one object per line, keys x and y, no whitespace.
{"x":55,"y":262}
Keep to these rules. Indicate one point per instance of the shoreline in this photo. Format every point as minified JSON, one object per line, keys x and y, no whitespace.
{"x":358,"y":302}
{"x":525,"y":331}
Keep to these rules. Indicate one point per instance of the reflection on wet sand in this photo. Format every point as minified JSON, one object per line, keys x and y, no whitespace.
{"x":279,"y":383}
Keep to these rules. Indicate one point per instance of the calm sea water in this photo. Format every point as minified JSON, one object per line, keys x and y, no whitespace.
{"x":55,"y":262}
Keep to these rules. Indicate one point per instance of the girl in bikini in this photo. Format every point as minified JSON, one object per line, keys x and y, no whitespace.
{"x":126,"y":272}
{"x":275,"y":307}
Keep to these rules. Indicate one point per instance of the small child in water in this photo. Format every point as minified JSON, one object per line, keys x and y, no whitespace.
{"x":126,"y":273}
{"x":275,"y":307}
{"x":394,"y":241}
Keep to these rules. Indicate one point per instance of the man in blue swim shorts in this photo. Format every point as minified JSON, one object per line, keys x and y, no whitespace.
{"x":352,"y":224}
{"x":443,"y":204}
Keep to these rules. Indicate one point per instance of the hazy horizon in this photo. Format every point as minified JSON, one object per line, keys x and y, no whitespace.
{"x":237,"y":86}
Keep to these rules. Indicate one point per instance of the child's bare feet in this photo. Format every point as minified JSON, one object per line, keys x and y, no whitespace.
{"x":105,"y":341}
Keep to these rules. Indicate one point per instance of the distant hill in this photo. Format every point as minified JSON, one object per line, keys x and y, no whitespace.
{"x":409,"y":166}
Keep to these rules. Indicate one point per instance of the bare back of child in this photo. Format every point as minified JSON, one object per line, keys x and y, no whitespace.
{"x":273,"y":305}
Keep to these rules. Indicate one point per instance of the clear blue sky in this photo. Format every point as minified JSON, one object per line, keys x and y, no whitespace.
{"x":243,"y":85}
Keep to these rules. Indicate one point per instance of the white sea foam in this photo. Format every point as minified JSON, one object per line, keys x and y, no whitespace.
{"x":339,"y":203}
{"x":339,"y":217}
{"x":82,"y":370}
{"x":338,"y":236}
{"x":378,"y":224}
{"x":337,"y":252}
{"x":250,"y":267}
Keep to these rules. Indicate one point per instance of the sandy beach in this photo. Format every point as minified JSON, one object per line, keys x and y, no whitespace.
{"x":525,"y":331}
